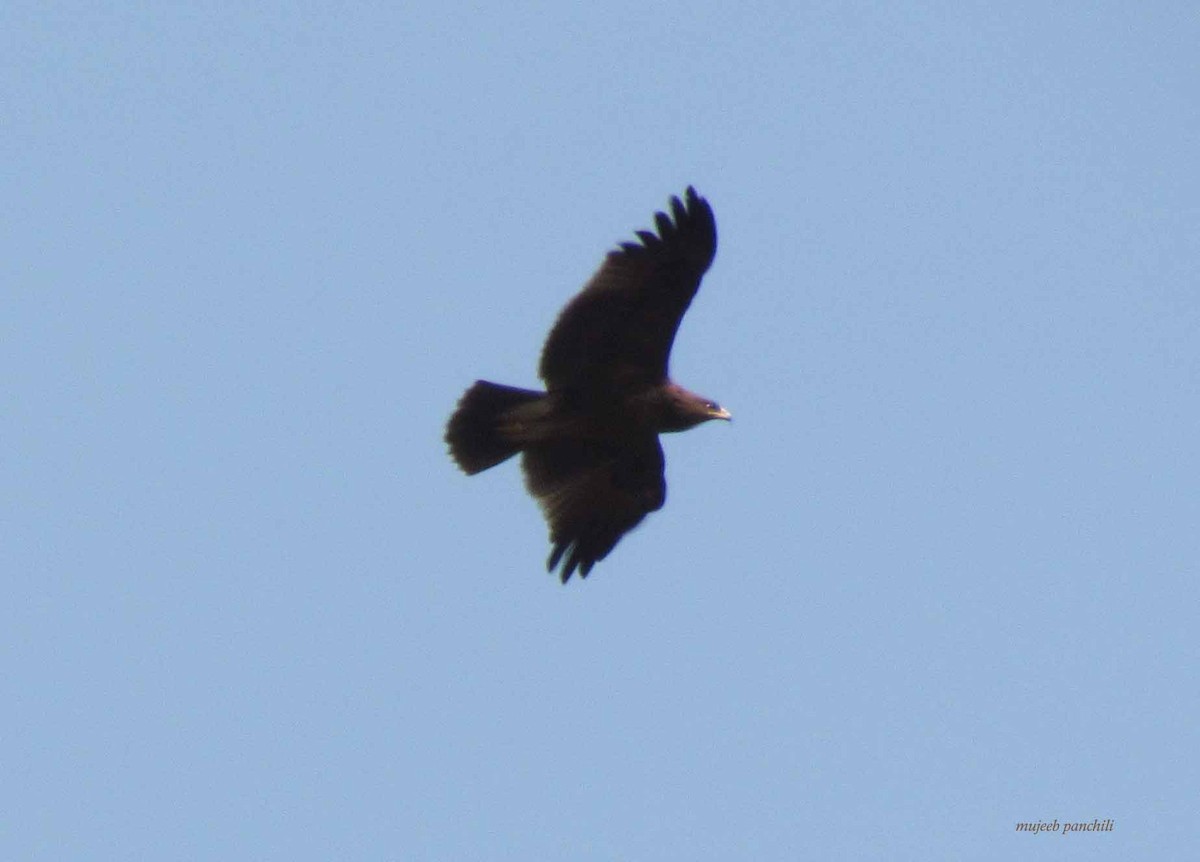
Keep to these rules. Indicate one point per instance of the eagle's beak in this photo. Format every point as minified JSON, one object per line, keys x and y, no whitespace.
{"x":721,"y":413}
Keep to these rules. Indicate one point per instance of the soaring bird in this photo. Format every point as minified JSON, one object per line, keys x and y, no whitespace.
{"x":589,"y":443}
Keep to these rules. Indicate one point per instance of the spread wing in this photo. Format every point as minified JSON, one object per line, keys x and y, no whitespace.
{"x":619,"y":329}
{"x":592,"y":493}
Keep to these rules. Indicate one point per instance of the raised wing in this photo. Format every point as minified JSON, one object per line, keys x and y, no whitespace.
{"x":619,"y":329}
{"x":592,"y":494}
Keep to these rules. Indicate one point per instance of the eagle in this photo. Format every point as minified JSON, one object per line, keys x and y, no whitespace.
{"x":589,"y":443}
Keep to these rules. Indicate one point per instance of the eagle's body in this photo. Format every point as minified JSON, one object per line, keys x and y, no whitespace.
{"x":590,"y":446}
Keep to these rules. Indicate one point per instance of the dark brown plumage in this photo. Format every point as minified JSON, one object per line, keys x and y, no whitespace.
{"x":590,"y":446}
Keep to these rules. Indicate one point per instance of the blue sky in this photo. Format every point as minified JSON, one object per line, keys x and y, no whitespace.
{"x":938,"y":577}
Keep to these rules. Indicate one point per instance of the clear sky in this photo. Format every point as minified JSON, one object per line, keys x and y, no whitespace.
{"x":937,"y":578}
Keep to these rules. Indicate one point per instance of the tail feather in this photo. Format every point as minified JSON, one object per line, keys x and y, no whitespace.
{"x":475,"y":433}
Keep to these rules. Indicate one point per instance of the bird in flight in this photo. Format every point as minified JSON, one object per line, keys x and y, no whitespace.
{"x":589,"y":444}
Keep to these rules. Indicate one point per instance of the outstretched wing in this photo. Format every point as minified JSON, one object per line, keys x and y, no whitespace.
{"x":619,"y":329}
{"x":593,"y":493}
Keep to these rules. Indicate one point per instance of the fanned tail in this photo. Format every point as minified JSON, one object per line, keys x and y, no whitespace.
{"x":476,"y":433}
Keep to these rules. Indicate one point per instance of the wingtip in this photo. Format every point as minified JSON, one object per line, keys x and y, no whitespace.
{"x":697,"y":205}
{"x":556,"y":554}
